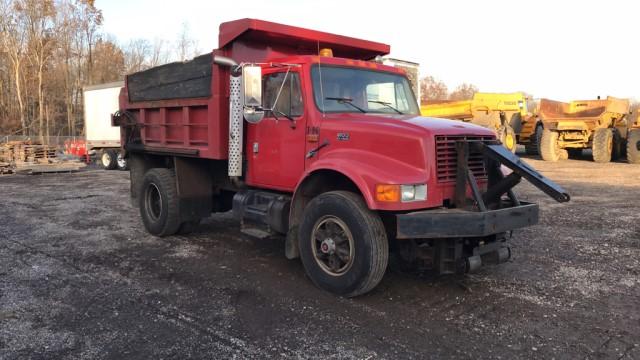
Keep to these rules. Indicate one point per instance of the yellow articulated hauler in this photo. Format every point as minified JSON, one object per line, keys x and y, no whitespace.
{"x":604,"y":126}
{"x":510,"y":115}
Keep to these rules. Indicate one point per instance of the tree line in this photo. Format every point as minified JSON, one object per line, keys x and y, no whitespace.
{"x":432,"y":89}
{"x":51,"y":49}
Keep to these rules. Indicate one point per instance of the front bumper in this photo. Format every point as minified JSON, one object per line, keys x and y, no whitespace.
{"x":457,"y":223}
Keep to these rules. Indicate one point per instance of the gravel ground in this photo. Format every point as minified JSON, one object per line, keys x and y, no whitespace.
{"x":80,"y":278}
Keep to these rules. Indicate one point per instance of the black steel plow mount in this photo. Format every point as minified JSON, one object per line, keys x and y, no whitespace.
{"x":496,"y":155}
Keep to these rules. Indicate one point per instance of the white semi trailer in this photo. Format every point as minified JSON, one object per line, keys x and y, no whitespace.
{"x":103,"y":140}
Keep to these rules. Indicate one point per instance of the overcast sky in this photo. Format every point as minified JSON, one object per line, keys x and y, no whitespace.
{"x":556,"y":49}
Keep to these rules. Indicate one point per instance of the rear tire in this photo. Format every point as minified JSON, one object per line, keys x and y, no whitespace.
{"x":602,"y":145}
{"x":159,"y":202}
{"x":533,"y":146}
{"x":549,"y":149}
{"x":108,"y":159}
{"x":343,"y":244}
{"x":633,"y":146}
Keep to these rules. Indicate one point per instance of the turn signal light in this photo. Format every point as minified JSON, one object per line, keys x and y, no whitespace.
{"x":401,"y":193}
{"x":388,"y":193}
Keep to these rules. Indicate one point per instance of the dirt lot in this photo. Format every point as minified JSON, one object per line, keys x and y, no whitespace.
{"x":80,"y":278}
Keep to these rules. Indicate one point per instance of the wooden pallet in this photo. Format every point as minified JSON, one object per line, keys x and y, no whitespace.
{"x":25,"y":152}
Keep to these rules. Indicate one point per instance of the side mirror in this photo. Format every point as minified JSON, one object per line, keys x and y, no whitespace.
{"x":252,"y":91}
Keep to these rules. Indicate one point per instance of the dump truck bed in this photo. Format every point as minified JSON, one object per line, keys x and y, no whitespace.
{"x":481,"y":102}
{"x":458,"y":110}
{"x":582,"y":110}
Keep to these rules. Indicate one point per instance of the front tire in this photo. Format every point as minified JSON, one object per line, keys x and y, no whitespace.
{"x":343,"y":244}
{"x":159,"y":202}
{"x":602,"y":145}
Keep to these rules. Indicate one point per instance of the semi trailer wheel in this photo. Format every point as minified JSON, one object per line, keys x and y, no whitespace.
{"x":108,"y":158}
{"x":533,"y":146}
{"x":602,"y":145}
{"x":121,"y":162}
{"x":549,"y":149}
{"x":343,"y":244}
{"x":633,"y":146}
{"x":159,"y":202}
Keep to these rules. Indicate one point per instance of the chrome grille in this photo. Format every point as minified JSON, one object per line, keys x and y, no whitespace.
{"x":447,"y":159}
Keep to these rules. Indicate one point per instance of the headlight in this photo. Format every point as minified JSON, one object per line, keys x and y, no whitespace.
{"x":413,"y":192}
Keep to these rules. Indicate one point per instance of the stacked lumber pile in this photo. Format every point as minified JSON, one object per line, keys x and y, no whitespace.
{"x":20,"y":152}
{"x":29,"y":157}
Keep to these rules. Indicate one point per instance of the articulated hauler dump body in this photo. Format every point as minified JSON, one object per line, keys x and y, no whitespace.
{"x":601,"y":125}
{"x":324,"y":147}
{"x":510,"y":115}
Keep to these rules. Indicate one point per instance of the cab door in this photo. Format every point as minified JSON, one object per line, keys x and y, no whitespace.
{"x":275,"y":146}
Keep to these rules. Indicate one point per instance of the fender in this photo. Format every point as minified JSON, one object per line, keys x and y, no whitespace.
{"x":367,"y":169}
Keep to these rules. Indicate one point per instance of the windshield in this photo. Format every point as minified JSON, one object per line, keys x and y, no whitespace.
{"x":357,"y":90}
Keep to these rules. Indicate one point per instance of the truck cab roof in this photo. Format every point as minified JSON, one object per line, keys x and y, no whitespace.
{"x":295,"y":40}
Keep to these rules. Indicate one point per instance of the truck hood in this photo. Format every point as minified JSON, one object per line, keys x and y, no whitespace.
{"x":426,"y":125}
{"x":389,"y":149}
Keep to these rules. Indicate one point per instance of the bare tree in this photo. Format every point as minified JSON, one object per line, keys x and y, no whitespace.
{"x":13,"y":34}
{"x":39,"y":16}
{"x":463,"y":92}
{"x":91,"y":19}
{"x":159,"y":53}
{"x":109,"y":61}
{"x":136,"y":55}
{"x":186,"y":46}
{"x":432,"y":89}
{"x":68,"y":26}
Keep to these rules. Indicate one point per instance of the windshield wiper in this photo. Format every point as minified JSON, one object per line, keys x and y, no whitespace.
{"x":346,"y":101}
{"x":387,"y":105}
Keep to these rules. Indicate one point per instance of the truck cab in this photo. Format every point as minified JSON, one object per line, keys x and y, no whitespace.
{"x":307,"y":135}
{"x":359,"y":119}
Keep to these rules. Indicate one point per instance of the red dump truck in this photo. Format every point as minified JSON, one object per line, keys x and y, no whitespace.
{"x":308,"y":135}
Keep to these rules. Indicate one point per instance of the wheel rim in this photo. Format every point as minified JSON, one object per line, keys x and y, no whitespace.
{"x":333,"y":246}
{"x":121,"y":161}
{"x":153,"y":202}
{"x":106,"y":159}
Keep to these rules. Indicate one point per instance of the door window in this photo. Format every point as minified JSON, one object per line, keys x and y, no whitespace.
{"x":290,"y":100}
